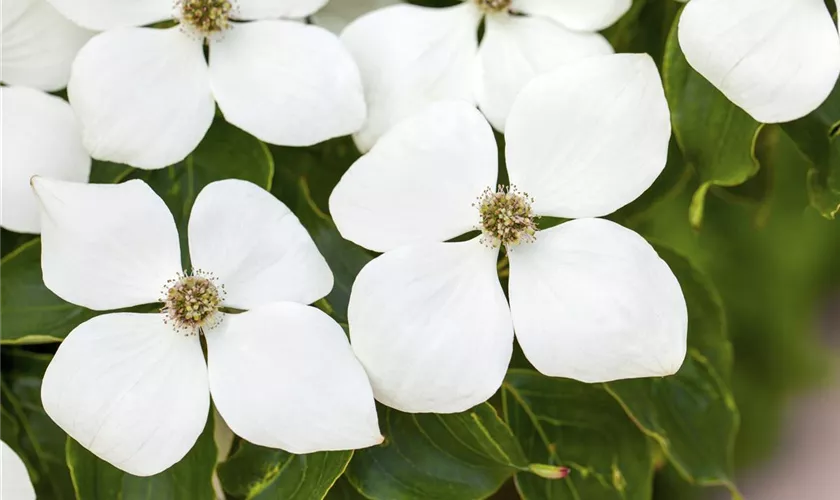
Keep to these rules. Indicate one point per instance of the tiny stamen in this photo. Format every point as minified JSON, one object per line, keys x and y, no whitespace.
{"x":493,"y":6}
{"x":506,"y":217}
{"x":191,"y":302}
{"x":205,"y":17}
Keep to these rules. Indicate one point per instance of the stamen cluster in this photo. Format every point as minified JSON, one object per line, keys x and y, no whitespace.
{"x":206,"y":16}
{"x":191,"y":302}
{"x":491,"y":6}
{"x":506,"y":217}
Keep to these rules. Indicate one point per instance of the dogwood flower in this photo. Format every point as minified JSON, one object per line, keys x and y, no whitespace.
{"x":410,"y":56}
{"x":146,"y":97}
{"x":776,"y":59}
{"x":39,"y":44}
{"x":32,"y":119}
{"x":15,"y":484}
{"x":134,"y":388}
{"x":589,"y":299}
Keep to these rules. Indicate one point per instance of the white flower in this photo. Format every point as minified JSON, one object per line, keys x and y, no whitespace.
{"x":134,"y":388}
{"x":589,"y":299}
{"x":337,"y":14}
{"x":776,"y":59}
{"x":410,"y":56}
{"x":15,"y":484}
{"x":40,"y":136}
{"x":38,"y":44}
{"x":146,"y":97}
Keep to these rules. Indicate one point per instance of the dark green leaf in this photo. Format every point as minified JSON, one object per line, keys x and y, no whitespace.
{"x":644,"y":28}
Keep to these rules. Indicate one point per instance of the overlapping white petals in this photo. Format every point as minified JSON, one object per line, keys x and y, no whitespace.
{"x":29,"y":117}
{"x":274,"y":9}
{"x":419,"y":182}
{"x":142,"y":96}
{"x":106,"y":246}
{"x":14,"y":482}
{"x":255,"y":246}
{"x":409,"y":57}
{"x":593,"y":301}
{"x":776,"y":59}
{"x":284,"y":376}
{"x":286,"y":82}
{"x":580,"y":15}
{"x":107,"y":14}
{"x":39,"y":44}
{"x":431,"y":325}
{"x":130,"y":389}
{"x":590,"y":137}
{"x":337,"y":14}
{"x":517,"y":48}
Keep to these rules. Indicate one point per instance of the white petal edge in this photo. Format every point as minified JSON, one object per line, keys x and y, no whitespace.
{"x":255,"y":246}
{"x":15,"y":484}
{"x":106,"y":246}
{"x":288,"y":97}
{"x":39,"y":44}
{"x":109,"y":14}
{"x":130,"y":389}
{"x":590,"y":137}
{"x":515,"y":49}
{"x":142,"y":96}
{"x":31,"y":117}
{"x":593,"y":301}
{"x":776,"y":59}
{"x":431,"y":325}
{"x":273,"y":9}
{"x":579,"y":15}
{"x":284,"y":376}
{"x":409,"y":57}
{"x":420,"y":181}
{"x":337,"y":14}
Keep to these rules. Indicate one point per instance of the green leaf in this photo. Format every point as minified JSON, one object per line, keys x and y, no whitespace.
{"x":717,"y":138}
{"x":94,"y":479}
{"x":567,"y":423}
{"x":692,"y":415}
{"x":343,"y":490}
{"x":256,"y":472}
{"x":459,"y":456}
{"x":644,"y":28}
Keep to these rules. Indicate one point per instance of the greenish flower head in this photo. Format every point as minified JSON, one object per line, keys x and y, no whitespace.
{"x":506,"y":217}
{"x":491,"y":6}
{"x":206,"y":17}
{"x":192,"y":302}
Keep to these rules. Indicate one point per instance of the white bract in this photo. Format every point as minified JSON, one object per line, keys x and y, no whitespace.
{"x":411,"y":56}
{"x":776,"y":59}
{"x":40,"y":136}
{"x":14,"y":480}
{"x":589,"y":299}
{"x":146,"y":97}
{"x":134,"y":388}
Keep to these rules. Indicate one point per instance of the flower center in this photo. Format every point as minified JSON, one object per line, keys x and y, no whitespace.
{"x":491,"y":6}
{"x":191,"y":302}
{"x":506,"y":217}
{"x":206,"y":16}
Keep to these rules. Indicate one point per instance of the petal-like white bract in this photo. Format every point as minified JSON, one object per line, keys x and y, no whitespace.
{"x":255,"y":246}
{"x":14,"y":480}
{"x":108,"y":14}
{"x":517,"y":48}
{"x":776,"y":59}
{"x":580,"y":15}
{"x":593,"y":301}
{"x":431,"y":326}
{"x":32,"y":118}
{"x":419,"y":182}
{"x":284,"y":376}
{"x":106,"y":246}
{"x":274,"y":9}
{"x":286,"y":82}
{"x":409,"y":57}
{"x":590,"y":137}
{"x":142,"y":96}
{"x":39,"y":44}
{"x":337,"y":14}
{"x":129,"y":389}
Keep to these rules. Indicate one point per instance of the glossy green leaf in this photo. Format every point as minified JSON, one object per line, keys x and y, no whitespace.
{"x":717,"y":138}
{"x":460,"y":456}
{"x":569,"y":423}
{"x":256,"y":472}
{"x":94,"y":479}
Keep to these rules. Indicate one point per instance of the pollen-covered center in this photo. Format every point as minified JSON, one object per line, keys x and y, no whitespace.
{"x":506,"y":217}
{"x":206,"y":16}
{"x":491,"y":6}
{"x":191,"y":302}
